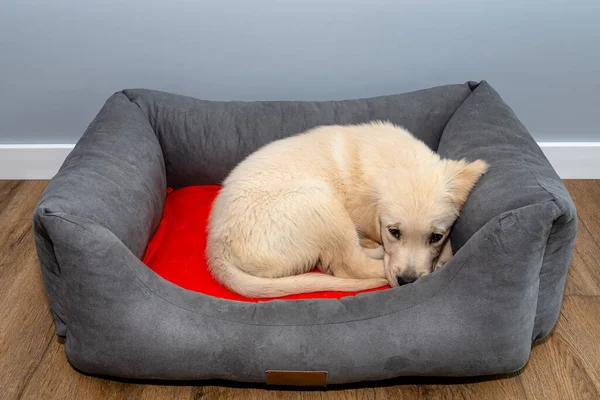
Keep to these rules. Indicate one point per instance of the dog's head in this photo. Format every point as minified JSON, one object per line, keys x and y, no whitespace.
{"x":417,"y":211}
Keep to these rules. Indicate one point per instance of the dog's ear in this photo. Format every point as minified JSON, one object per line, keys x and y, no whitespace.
{"x":461,"y":177}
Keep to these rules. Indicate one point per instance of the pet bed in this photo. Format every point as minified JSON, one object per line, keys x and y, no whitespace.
{"x":476,"y":316}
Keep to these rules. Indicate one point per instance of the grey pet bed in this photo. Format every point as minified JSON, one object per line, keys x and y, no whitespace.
{"x":476,"y":316}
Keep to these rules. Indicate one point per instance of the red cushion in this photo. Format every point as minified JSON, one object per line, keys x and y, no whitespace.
{"x":176,"y":251}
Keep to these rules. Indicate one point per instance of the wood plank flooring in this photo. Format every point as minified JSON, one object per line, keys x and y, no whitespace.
{"x":33,"y":363}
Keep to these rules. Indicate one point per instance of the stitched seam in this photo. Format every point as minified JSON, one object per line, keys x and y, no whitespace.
{"x":154,"y":130}
{"x":452,"y":116}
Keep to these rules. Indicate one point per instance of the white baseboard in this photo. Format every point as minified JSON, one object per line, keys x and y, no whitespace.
{"x":32,"y":161}
{"x":572,"y":160}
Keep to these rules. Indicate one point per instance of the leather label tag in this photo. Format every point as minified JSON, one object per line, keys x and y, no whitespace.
{"x":297,"y":378}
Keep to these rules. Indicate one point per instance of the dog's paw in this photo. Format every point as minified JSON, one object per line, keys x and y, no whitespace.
{"x":439,"y":264}
{"x":444,"y":257}
{"x":376,"y":253}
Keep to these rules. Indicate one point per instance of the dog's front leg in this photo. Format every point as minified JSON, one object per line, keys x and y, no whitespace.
{"x":444,"y":257}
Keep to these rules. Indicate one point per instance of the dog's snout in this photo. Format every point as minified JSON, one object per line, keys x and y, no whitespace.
{"x":404,"y":279}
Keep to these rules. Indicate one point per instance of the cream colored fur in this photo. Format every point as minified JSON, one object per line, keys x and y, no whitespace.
{"x":314,"y":198}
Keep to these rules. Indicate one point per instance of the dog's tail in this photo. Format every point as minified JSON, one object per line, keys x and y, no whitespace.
{"x":254,"y":286}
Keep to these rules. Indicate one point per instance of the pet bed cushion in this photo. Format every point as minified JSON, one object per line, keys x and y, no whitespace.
{"x":478,"y":315}
{"x":176,"y":250}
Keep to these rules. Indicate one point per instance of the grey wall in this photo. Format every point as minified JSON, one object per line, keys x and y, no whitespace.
{"x":60,"y":60}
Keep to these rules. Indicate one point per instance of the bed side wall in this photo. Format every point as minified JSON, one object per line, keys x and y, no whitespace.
{"x":485,"y":127}
{"x":115,"y":177}
{"x":202,"y":141}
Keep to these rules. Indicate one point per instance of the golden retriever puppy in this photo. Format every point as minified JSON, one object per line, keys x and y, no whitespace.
{"x":312,"y":199}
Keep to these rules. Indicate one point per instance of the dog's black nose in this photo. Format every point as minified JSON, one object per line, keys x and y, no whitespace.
{"x":403,"y":280}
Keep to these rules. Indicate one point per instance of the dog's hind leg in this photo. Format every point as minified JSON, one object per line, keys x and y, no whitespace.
{"x":312,"y":224}
{"x":268,"y":250}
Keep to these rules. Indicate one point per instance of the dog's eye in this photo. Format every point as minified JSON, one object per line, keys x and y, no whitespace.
{"x":394,"y":232}
{"x":435,"y":237}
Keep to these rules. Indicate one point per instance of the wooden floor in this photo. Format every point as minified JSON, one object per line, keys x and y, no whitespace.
{"x":33,"y":363}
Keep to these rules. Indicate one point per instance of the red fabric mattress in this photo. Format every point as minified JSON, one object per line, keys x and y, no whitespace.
{"x":176,"y":251}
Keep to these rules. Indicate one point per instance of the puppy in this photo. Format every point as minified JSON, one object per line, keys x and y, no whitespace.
{"x":313,"y":199}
